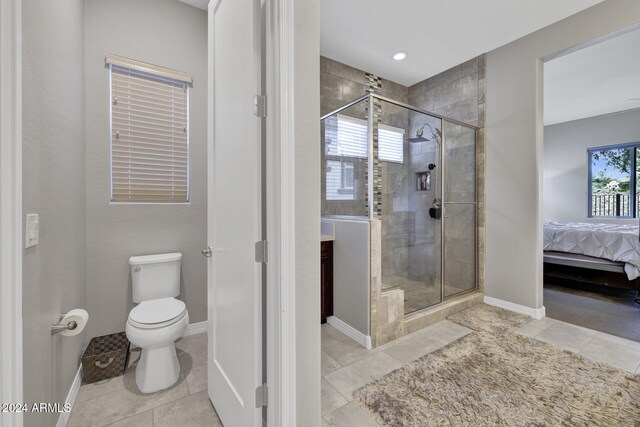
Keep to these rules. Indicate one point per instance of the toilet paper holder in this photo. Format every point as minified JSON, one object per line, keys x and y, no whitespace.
{"x":59,"y":327}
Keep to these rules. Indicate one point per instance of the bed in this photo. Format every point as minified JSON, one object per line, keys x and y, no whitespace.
{"x":596,"y":246}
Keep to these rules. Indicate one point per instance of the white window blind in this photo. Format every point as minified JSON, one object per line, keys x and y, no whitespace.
{"x":149,"y":134}
{"x":345,"y":137}
{"x":346,"y":142}
{"x":390,"y":143}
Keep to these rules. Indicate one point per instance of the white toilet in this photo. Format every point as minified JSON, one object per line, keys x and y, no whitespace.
{"x":158,"y":320}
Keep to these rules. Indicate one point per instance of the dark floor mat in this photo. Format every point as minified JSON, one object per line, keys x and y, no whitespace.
{"x":600,"y":308}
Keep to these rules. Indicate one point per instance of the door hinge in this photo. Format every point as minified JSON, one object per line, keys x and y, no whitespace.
{"x":262,"y":251}
{"x":261,"y":396}
{"x":260,"y":105}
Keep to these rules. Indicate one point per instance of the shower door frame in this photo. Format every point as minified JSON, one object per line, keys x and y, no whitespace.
{"x":369,"y":98}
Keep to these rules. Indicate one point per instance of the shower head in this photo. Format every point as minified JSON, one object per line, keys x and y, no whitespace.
{"x":436,"y":134}
{"x":417,"y":139}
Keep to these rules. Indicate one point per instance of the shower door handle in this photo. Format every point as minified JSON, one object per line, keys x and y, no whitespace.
{"x":207,"y":252}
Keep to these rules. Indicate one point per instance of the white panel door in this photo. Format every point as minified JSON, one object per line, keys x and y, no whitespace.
{"x":234,"y":212}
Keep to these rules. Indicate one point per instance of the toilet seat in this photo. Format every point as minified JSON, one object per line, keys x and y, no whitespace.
{"x":157,"y":313}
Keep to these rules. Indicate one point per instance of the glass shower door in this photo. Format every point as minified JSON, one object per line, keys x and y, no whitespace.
{"x":408,"y":155}
{"x":459,"y":215}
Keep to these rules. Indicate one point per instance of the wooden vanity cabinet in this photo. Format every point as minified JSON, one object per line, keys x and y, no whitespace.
{"x":326,"y":280}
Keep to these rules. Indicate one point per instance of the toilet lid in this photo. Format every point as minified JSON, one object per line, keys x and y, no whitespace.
{"x":157,"y":311}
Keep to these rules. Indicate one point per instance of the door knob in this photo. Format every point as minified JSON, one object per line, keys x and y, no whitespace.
{"x":207,"y":252}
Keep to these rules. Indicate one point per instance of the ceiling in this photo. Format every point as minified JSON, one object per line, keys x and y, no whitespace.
{"x":200,"y":4}
{"x":599,"y":79}
{"x":436,"y":34}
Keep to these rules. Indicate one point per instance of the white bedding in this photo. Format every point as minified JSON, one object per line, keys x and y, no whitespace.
{"x":610,"y":241}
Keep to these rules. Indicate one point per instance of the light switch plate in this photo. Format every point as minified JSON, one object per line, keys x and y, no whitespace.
{"x":32,"y":230}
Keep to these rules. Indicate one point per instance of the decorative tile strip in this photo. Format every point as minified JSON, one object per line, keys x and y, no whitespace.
{"x":373,"y":84}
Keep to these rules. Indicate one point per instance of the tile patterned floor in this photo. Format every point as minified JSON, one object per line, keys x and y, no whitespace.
{"x":117,"y":402}
{"x":346,"y":366}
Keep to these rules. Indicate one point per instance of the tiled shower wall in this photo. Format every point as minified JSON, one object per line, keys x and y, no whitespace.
{"x":459,"y":93}
{"x":340,"y":84}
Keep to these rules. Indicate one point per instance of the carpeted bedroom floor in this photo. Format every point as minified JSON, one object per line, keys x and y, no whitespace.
{"x":601,"y":308}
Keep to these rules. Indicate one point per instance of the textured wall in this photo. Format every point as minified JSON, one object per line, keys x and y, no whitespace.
{"x":565,"y":187}
{"x":174,"y":35}
{"x":53,"y":186}
{"x":514,"y":135}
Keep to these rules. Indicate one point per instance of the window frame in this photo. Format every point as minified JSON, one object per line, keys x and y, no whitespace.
{"x":633,"y":188}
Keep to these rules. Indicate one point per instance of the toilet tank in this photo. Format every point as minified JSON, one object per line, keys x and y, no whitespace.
{"x":155,"y":276}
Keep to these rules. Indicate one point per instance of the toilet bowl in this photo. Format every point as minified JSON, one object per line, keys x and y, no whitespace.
{"x":158,"y":320}
{"x":154,"y":326}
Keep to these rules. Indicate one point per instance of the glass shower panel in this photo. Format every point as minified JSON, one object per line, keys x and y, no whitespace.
{"x":459,"y":208}
{"x":409,"y":186}
{"x":344,"y":154}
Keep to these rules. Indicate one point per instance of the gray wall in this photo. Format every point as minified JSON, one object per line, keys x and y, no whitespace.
{"x":514,"y":142}
{"x":306,"y":97}
{"x":174,"y":35}
{"x":565,"y":195}
{"x":352,"y":273}
{"x":53,"y":187}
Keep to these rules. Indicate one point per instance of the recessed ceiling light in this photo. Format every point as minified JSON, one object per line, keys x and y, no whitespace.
{"x":399,"y":56}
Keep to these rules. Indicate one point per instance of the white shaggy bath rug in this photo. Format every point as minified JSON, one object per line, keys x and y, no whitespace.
{"x":486,"y":379}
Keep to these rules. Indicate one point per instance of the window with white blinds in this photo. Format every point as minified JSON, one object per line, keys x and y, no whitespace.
{"x":390,"y":143}
{"x":149,"y":133}
{"x":346,"y":143}
{"x":345,"y":137}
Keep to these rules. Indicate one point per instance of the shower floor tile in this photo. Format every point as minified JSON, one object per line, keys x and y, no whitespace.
{"x":417,"y":295}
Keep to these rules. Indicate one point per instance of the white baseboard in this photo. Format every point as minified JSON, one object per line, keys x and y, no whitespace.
{"x":63,"y":419}
{"x":195,"y":328}
{"x":536,"y":313}
{"x":357,"y":336}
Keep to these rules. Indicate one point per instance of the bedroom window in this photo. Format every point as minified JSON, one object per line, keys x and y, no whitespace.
{"x":149,"y":126}
{"x":613,"y":176}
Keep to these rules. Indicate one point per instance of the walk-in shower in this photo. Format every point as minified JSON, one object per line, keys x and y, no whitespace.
{"x":415,"y":173}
